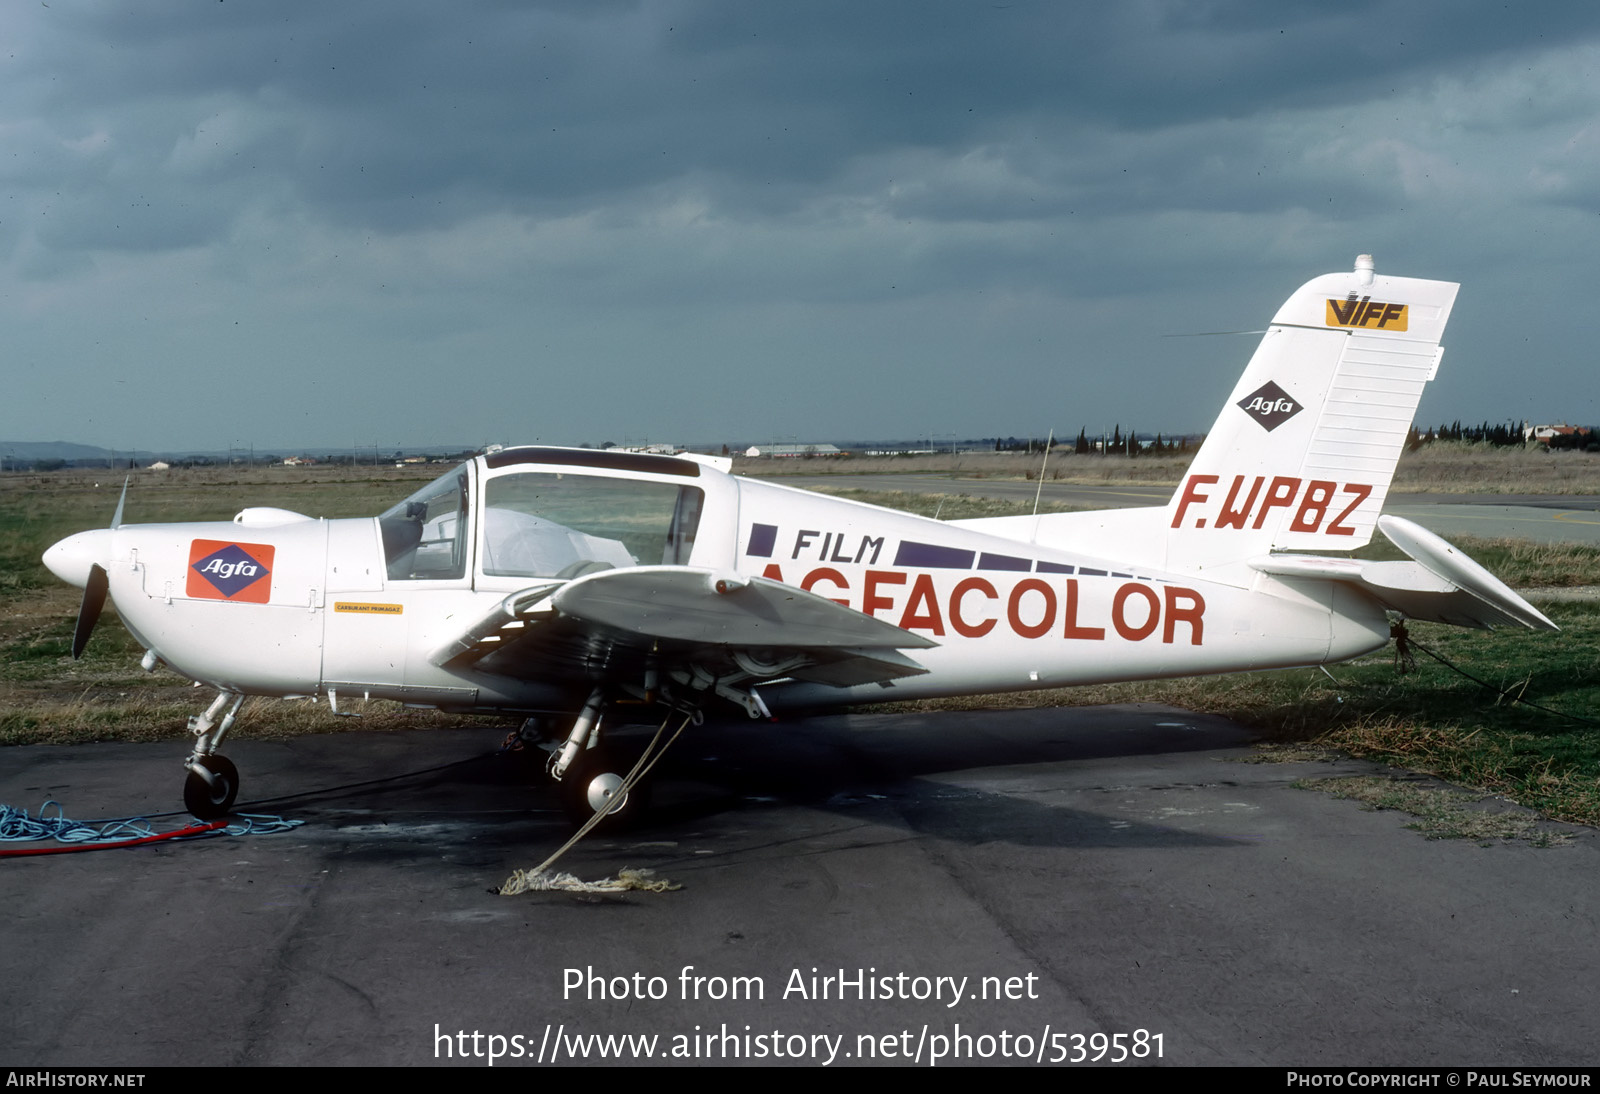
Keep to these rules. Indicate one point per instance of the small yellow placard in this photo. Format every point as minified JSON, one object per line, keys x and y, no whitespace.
{"x":367,"y":609}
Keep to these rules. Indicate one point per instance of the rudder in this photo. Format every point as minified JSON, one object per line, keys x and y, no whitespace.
{"x":1303,"y":453}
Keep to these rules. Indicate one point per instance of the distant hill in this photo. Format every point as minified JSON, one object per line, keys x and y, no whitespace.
{"x":28,"y":451}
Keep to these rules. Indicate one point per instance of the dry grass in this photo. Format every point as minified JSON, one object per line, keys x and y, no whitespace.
{"x":161,"y":713}
{"x":1461,"y":467}
{"x":1063,"y":466}
{"x":1441,"y":812}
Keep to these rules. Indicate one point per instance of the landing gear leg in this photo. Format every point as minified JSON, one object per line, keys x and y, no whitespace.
{"x":591,"y":782}
{"x":213,"y":781}
{"x":585,"y":734}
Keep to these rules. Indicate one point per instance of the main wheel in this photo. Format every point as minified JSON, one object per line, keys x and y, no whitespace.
{"x":591,"y":783}
{"x":210,"y":800}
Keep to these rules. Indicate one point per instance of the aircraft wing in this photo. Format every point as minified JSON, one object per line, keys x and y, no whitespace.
{"x":624,"y":623}
{"x":1439,"y":585}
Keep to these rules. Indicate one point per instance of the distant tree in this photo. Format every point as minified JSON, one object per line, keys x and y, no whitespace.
{"x":1082,"y":445}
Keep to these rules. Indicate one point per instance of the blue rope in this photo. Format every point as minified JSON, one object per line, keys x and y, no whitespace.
{"x":17,"y":826}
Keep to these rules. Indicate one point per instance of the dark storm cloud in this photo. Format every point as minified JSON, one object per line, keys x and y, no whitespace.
{"x":614,"y":206}
{"x":402,"y":115}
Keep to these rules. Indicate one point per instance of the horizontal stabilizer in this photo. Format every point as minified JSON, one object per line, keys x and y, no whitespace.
{"x":1440,"y":585}
{"x":1445,"y":561}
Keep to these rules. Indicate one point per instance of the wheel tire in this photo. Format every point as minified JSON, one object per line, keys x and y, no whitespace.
{"x":589,"y":783}
{"x":210,"y":800}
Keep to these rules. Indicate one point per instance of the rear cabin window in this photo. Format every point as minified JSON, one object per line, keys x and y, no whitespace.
{"x":548,"y":524}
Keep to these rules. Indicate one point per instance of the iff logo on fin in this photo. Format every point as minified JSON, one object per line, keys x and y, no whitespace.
{"x":221,"y":570}
{"x":1368,"y":313}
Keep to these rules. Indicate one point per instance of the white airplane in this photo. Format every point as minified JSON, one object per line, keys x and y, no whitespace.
{"x":540,"y":581}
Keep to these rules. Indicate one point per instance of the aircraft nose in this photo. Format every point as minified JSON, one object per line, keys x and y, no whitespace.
{"x":71,"y":558}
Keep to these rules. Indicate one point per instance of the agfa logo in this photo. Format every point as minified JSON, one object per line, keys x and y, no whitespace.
{"x":220,"y":570}
{"x":1270,"y":405}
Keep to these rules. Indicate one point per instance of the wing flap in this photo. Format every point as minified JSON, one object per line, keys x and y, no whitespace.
{"x":859,"y":666}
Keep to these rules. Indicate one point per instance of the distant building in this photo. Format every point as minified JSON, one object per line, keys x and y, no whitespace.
{"x":792,"y":451}
{"x":650,"y":449}
{"x":1543,"y":433}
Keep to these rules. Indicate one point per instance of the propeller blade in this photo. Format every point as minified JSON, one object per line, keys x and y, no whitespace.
{"x":94,"y":599}
{"x":116,"y":518}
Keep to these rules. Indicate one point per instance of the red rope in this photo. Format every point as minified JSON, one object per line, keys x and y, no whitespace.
{"x":192,"y":830}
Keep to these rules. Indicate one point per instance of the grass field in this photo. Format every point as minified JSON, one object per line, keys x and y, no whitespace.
{"x":1430,"y":720}
{"x":1445,"y":467}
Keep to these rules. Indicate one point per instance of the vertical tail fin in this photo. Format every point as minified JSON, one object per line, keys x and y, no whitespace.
{"x":1302,"y":455}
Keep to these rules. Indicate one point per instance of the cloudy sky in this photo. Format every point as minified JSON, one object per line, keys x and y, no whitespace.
{"x":297,"y":224}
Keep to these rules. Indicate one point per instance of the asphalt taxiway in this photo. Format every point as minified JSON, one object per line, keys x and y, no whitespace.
{"x":1091,"y":871}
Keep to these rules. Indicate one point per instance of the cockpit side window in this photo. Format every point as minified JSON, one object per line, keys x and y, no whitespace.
{"x":424,"y":537}
{"x":548,"y":524}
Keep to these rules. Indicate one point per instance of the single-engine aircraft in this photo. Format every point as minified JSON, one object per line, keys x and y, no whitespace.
{"x":555,"y":581}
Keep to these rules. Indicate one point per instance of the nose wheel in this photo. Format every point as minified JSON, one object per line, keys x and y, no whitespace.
{"x":209,"y":793}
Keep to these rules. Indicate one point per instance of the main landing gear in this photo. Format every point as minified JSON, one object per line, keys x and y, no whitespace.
{"x":598,"y":790}
{"x":590,"y":782}
{"x":213,"y":782}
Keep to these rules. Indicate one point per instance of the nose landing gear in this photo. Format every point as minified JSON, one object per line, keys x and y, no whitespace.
{"x":213,"y":782}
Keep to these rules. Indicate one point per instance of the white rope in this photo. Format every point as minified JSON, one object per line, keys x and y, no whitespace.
{"x":538,"y":880}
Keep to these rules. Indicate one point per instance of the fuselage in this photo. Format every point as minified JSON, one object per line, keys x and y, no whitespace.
{"x":278,"y":604}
